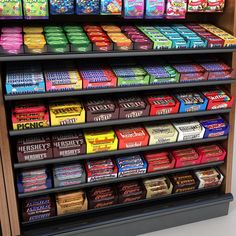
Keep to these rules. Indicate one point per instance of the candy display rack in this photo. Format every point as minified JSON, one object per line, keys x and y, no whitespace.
{"x":131,"y":218}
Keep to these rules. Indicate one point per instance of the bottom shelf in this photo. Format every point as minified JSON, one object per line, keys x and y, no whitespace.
{"x":133,"y":220}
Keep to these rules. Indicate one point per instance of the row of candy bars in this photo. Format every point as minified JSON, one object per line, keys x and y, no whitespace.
{"x":38,"y":208}
{"x":88,"y":37}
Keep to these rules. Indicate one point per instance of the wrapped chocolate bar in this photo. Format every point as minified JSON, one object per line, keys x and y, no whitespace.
{"x":211,"y":153}
{"x":191,"y":101}
{"x":68,"y":144}
{"x":130,"y":191}
{"x":189,"y":129}
{"x":66,"y":112}
{"x":71,"y":202}
{"x":31,"y":180}
{"x":186,"y":157}
{"x":131,"y":165}
{"x":100,"y":140}
{"x":162,"y":104}
{"x":161,"y":132}
{"x":34,"y":148}
{"x":131,"y":137}
{"x":71,"y":174}
{"x":98,"y":170}
{"x":38,"y":208}
{"x":102,"y":196}
{"x":214,"y":126}
{"x":210,"y":177}
{"x":132,"y":107}
{"x":101,"y":109}
{"x":157,"y":161}
{"x":183,"y":182}
{"x":158,"y":187}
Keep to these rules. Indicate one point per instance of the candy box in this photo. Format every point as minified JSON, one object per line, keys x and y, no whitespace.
{"x":131,"y":165}
{"x":67,"y":175}
{"x":132,"y":107}
{"x":186,"y":157}
{"x":11,"y":9}
{"x":211,"y":153}
{"x":56,"y":40}
{"x":154,"y":9}
{"x":38,"y":208}
{"x":176,"y":9}
{"x":64,"y":7}
{"x":87,"y":7}
{"x":79,"y":42}
{"x":111,"y":7}
{"x":189,"y":129}
{"x":99,"y":170}
{"x":132,"y":137}
{"x":11,"y":43}
{"x":31,"y":180}
{"x":35,"y":43}
{"x":35,"y":10}
{"x":29,"y":115}
{"x":208,"y":178}
{"x":66,"y":112}
{"x":218,"y":99}
{"x":214,"y":126}
{"x":191,"y":101}
{"x":71,"y":202}
{"x":197,"y":5}
{"x":101,"y":109}
{"x":120,"y":41}
{"x":34,"y":148}
{"x":162,"y":104}
{"x":158,"y":161}
{"x":100,"y":140}
{"x":158,"y":187}
{"x":215,"y":5}
{"x":68,"y":144}
{"x":133,"y":9}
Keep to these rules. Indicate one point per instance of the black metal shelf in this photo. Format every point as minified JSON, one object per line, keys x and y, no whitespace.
{"x":116,"y":90}
{"x":116,"y":122}
{"x":94,"y":54}
{"x":117,"y":180}
{"x":116,"y":152}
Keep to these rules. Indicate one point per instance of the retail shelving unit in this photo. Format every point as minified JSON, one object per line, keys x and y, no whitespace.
{"x":136,"y":217}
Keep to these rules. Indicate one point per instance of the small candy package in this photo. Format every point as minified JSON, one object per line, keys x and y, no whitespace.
{"x":161,"y":132}
{"x":120,"y":41}
{"x":208,"y":178}
{"x":66,"y":112}
{"x":29,"y":115}
{"x":11,"y":9}
{"x":62,"y":7}
{"x":133,"y":9}
{"x":158,"y":187}
{"x":211,"y":153}
{"x":38,"y":208}
{"x":34,"y":148}
{"x":71,"y":202}
{"x":155,"y":9}
{"x":132,"y":107}
{"x":176,"y":9}
{"x":100,"y":140}
{"x":214,"y":126}
{"x":87,"y":7}
{"x":186,"y":157}
{"x":131,"y":165}
{"x":132,"y":137}
{"x":197,"y":5}
{"x":66,"y":175}
{"x":111,"y":7}
{"x":102,"y":169}
{"x":35,"y":43}
{"x":158,"y":161}
{"x":215,"y":6}
{"x":162,"y":104}
{"x":68,"y":144}
{"x":218,"y":99}
{"x":191,"y":101}
{"x":37,"y":9}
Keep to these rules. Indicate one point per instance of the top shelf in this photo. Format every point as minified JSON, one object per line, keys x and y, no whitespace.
{"x":98,"y":54}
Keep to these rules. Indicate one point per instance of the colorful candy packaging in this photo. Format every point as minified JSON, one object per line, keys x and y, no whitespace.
{"x":176,"y":9}
{"x":62,"y":7}
{"x":35,"y":9}
{"x":87,"y":7}
{"x":197,"y":5}
{"x":215,"y":5}
{"x":133,"y":9}
{"x":155,"y":9}
{"x":111,"y":7}
{"x":10,"y":9}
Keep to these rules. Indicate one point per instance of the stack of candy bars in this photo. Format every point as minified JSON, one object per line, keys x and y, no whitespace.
{"x":109,"y":37}
{"x":38,"y":208}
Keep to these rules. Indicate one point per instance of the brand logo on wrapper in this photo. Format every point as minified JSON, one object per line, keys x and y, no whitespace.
{"x":134,"y":114}
{"x":103,"y":117}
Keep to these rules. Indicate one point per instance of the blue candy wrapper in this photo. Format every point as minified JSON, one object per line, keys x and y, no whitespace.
{"x":87,"y":7}
{"x":62,"y":7}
